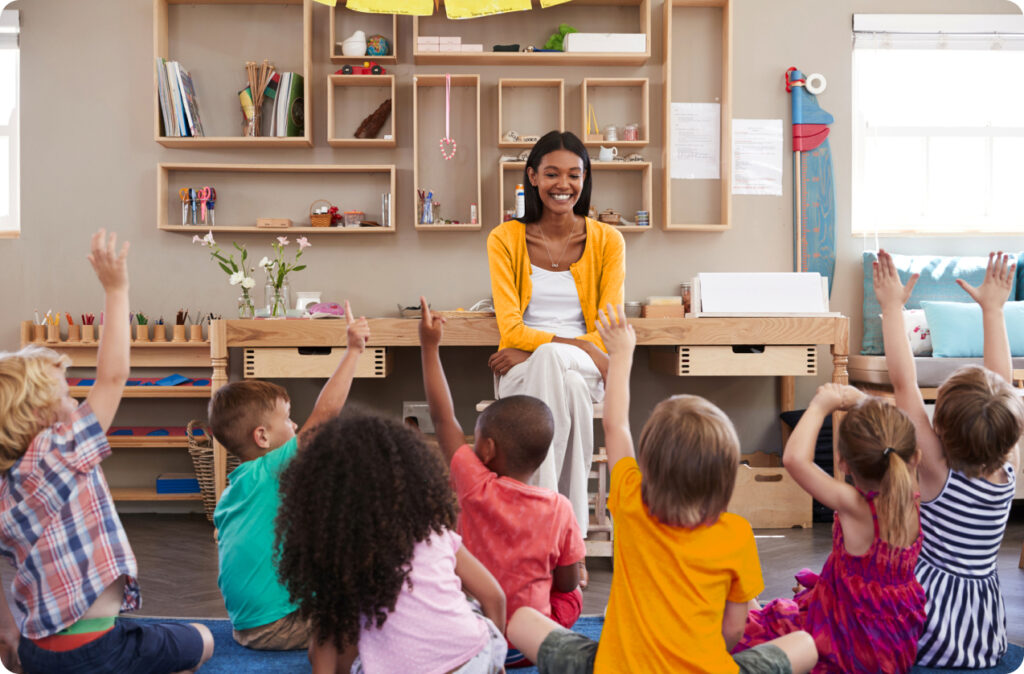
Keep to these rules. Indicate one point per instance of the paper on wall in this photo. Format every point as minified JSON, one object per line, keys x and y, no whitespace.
{"x":696,"y":141}
{"x":757,"y":156}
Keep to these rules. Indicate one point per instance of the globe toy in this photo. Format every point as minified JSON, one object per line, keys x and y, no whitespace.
{"x":377,"y":45}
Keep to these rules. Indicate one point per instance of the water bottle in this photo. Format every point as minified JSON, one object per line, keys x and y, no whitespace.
{"x":520,"y":201}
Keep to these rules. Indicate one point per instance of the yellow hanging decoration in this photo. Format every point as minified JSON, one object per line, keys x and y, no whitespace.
{"x":544,"y":4}
{"x":329,"y":3}
{"x":469,"y":9}
{"x":405,"y":7}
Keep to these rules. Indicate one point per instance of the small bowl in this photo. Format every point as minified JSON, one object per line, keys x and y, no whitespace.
{"x":632,"y":309}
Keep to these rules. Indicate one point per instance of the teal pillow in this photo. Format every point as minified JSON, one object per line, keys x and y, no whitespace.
{"x":957,"y":332}
{"x":936,"y":283}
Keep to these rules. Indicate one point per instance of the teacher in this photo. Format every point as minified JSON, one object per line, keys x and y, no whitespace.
{"x":550,"y":272}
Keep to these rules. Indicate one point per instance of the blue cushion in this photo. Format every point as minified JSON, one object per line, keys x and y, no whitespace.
{"x":936,"y":282}
{"x":956,"y":328}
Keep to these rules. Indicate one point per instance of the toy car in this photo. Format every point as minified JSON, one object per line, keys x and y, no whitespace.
{"x":368,"y":68}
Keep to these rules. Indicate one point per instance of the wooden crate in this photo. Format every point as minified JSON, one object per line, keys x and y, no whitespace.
{"x":735,"y":361}
{"x":312,"y":362}
{"x":767,"y":496}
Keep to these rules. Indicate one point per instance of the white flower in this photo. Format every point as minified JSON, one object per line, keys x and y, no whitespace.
{"x":266,"y":262}
{"x":303,"y":242}
{"x":237,"y":278}
{"x":208,"y":239}
{"x":248,"y":282}
{"x":197,"y":239}
{"x":283,"y":240}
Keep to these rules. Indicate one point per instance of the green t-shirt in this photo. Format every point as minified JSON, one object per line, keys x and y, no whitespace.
{"x":245,"y":541}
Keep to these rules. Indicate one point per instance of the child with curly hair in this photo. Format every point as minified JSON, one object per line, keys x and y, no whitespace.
{"x":369,"y":555}
{"x":75,"y":570}
{"x":967,"y":472}
{"x":866,"y":609}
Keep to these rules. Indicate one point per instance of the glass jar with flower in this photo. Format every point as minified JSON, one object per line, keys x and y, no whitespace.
{"x":238,"y":273}
{"x":277,"y":291}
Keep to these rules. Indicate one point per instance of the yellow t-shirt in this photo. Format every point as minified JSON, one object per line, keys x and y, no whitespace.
{"x":670,"y":586}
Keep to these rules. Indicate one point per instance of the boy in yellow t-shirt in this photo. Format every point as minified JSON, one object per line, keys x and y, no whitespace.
{"x":685,"y":569}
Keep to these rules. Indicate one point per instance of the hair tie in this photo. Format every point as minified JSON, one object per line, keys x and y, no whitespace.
{"x":887,"y":451}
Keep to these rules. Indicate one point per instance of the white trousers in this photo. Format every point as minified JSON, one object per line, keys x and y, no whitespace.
{"x":565,"y":378}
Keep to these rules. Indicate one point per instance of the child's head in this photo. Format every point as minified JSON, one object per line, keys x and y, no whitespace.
{"x":33,"y":395}
{"x":251,"y":417}
{"x":688,"y":455}
{"x":361,"y":493}
{"x":978,"y":418}
{"x":513,"y":435}
{"x":878,"y":446}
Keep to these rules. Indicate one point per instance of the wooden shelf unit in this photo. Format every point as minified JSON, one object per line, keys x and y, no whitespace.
{"x":643,"y":115}
{"x":520,"y":83}
{"x":161,"y":45}
{"x":300,"y":213}
{"x":459,"y":127}
{"x":553,"y":16}
{"x":335,"y":82}
{"x":377,"y":21}
{"x":150,"y":392}
{"x":725,"y":100}
{"x":143,"y":494}
{"x":644,"y":168}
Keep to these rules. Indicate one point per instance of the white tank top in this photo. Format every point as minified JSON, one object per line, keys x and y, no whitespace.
{"x":555,"y":304}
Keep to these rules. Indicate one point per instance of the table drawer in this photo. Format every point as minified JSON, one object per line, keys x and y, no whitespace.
{"x":312,"y":362}
{"x":736,"y":361}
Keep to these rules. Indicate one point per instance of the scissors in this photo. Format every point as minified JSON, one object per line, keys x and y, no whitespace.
{"x":183,"y":193}
{"x":211,"y":201}
{"x":204,"y":195}
{"x":192,"y":196}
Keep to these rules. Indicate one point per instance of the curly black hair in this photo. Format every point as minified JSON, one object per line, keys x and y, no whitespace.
{"x":354,"y":501}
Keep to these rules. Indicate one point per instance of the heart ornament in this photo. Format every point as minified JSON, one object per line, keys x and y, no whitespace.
{"x":448,"y":147}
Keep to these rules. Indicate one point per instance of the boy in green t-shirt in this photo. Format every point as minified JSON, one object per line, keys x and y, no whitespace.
{"x":252,"y":419}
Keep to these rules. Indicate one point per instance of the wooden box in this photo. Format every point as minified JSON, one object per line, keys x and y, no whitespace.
{"x":312,"y":362}
{"x":733,"y":361}
{"x":767,"y":496}
{"x":662,"y":311}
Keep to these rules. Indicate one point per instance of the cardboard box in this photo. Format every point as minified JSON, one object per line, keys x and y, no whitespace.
{"x":654,"y":311}
{"x":427,"y":39}
{"x":606,"y":42}
{"x":448,"y":39}
{"x":428,"y":47}
{"x":767,"y":496}
{"x":449,"y":47}
{"x":472,"y":47}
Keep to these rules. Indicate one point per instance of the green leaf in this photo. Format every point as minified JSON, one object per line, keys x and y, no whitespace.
{"x":227,"y":270}
{"x":299,"y":268}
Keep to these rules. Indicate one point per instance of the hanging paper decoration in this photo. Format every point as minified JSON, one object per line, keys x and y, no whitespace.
{"x":469,"y":9}
{"x":405,"y":7}
{"x":329,"y":3}
{"x":448,"y":146}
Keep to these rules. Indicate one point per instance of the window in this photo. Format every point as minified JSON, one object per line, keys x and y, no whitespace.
{"x":938,"y":124}
{"x":9,"y":161}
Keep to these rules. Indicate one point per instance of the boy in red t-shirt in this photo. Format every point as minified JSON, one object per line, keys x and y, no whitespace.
{"x":526,"y":536}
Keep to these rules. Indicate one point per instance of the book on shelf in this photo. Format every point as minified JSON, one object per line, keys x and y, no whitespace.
{"x":192,"y":107}
{"x":179,"y":105}
{"x":295,"y":119}
{"x":167,"y":124}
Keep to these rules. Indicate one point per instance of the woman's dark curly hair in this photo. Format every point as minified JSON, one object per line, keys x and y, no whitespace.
{"x":354,"y":501}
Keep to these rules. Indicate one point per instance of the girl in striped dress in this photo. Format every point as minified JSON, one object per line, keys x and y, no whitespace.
{"x":967,"y":473}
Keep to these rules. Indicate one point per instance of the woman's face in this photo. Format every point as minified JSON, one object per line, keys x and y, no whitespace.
{"x":559,"y":180}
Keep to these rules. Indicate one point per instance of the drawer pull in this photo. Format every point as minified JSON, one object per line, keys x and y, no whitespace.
{"x":314,"y":350}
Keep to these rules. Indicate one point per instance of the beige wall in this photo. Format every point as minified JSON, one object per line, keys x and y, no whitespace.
{"x":89,"y":160}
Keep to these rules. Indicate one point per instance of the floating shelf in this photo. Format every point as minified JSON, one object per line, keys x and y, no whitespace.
{"x":151,"y":392}
{"x":371,"y":24}
{"x":149,"y":494}
{"x":147,"y":441}
{"x":553,"y":99}
{"x":335,"y":82}
{"x":630,"y":108}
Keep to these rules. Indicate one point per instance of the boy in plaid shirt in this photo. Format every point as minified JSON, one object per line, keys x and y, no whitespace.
{"x":75,"y":568}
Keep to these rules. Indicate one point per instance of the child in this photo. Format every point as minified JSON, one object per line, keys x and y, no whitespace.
{"x":969,"y":460}
{"x":866,"y":609}
{"x":526,"y":536}
{"x":252,"y":419}
{"x":684,"y":568}
{"x":58,"y":526}
{"x":368,"y":554}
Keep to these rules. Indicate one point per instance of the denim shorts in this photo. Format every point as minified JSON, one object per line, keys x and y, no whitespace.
{"x":131,"y":647}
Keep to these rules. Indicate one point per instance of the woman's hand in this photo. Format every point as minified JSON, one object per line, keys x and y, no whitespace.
{"x":505,"y":359}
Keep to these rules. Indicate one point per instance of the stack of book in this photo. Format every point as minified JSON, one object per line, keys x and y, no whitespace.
{"x":287,"y":116}
{"x":179,"y":106}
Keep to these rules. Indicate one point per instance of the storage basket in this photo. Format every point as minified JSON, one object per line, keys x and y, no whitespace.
{"x":320,"y":219}
{"x":200,"y":448}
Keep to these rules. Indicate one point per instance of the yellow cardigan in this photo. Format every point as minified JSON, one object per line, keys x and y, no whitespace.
{"x":600,"y":275}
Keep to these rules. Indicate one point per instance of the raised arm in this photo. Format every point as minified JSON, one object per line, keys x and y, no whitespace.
{"x":335,"y":392}
{"x":991,"y":295}
{"x":442,"y":410}
{"x":113,"y":355}
{"x":620,"y":340}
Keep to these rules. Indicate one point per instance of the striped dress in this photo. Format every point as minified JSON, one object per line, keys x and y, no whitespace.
{"x":963,"y":527}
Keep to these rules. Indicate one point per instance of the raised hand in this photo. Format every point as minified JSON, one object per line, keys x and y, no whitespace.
{"x":889,"y":290}
{"x":831,"y":397}
{"x":111,"y":267}
{"x":618,"y":336}
{"x":995,"y":289}
{"x":431,"y":326}
{"x":358,"y":332}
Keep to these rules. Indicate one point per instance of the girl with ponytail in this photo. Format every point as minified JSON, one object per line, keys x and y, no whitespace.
{"x":866,"y":609}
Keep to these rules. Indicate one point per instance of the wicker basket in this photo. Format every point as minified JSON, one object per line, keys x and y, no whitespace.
{"x":320,"y":219}
{"x":200,"y":447}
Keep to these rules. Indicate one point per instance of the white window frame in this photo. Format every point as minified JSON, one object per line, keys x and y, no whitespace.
{"x":10,"y":224}
{"x":913,"y":31}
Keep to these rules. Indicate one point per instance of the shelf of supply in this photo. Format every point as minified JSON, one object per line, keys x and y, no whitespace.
{"x":202,"y":53}
{"x":532,"y":107}
{"x":605,"y":94}
{"x":705,"y":19}
{"x":147,"y":441}
{"x":428,"y":160}
{"x":371,"y":24}
{"x":359,"y":110}
{"x":151,"y":392}
{"x":260,"y":195}
{"x":144,"y":494}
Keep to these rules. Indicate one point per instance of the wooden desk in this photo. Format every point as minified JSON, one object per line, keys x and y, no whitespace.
{"x":830,"y":330}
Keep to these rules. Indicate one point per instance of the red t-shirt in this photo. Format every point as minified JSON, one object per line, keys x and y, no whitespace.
{"x":519,"y":532}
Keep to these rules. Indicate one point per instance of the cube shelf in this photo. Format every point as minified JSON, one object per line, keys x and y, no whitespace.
{"x":617,"y":101}
{"x":357,"y":107}
{"x":371,"y":24}
{"x":535,"y":107}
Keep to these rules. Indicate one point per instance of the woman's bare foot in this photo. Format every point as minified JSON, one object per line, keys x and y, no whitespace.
{"x":584,"y":574}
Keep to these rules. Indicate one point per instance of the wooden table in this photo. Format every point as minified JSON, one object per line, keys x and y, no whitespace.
{"x":789,"y":330}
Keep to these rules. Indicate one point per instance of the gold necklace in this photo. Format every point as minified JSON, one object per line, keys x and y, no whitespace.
{"x":554,"y":265}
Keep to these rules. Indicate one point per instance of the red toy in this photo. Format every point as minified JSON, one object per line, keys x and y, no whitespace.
{"x":368,"y":68}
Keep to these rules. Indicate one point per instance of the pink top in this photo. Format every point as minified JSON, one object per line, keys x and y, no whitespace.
{"x":519,"y":532}
{"x":433,"y":628}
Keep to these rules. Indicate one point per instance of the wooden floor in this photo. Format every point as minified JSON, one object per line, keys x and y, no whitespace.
{"x":178,"y":566}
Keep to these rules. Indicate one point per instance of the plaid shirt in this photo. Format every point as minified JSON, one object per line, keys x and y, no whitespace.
{"x":59,"y":528}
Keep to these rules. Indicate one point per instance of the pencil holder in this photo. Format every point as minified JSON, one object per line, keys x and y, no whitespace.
{"x":195,"y":333}
{"x":38,"y":333}
{"x":142,"y":333}
{"x":88,"y":334}
{"x":99,"y":332}
{"x":178,"y":334}
{"x":74,"y":333}
{"x":52,"y":334}
{"x":159,"y":333}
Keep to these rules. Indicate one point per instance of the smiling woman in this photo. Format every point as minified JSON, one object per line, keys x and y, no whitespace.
{"x":550,"y":272}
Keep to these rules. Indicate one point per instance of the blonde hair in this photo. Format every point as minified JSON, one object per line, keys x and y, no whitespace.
{"x":688,"y":454}
{"x":978,"y":419}
{"x":28,"y":398}
{"x":877,"y":441}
